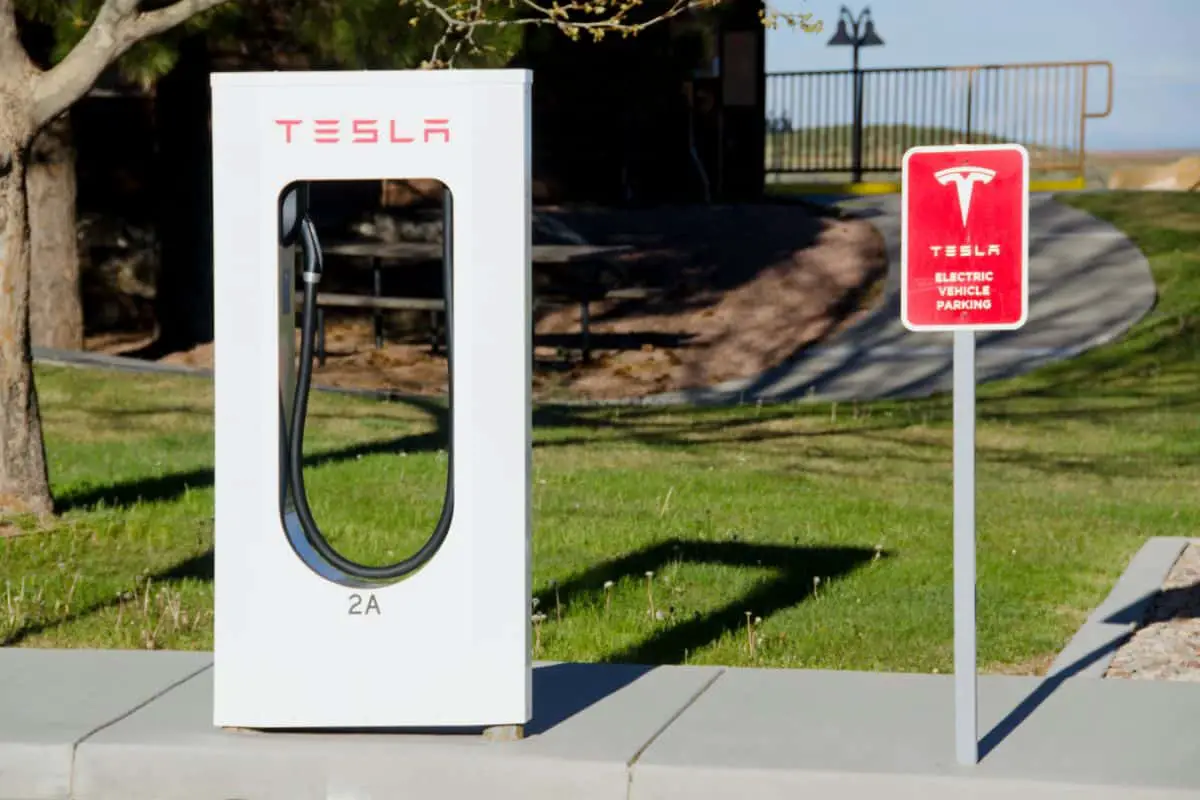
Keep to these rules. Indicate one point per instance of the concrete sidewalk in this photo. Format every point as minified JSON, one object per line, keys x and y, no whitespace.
{"x":130,"y":725}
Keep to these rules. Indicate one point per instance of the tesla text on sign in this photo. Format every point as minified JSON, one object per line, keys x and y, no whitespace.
{"x":965,"y":238}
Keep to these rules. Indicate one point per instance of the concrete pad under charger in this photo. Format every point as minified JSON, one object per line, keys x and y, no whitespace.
{"x":590,"y":722}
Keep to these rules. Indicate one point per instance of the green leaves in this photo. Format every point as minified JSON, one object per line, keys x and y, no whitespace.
{"x":266,"y":34}
{"x":67,"y":21}
{"x":147,"y":61}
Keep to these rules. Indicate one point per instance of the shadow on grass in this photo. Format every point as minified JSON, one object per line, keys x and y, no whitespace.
{"x":198,"y":567}
{"x":1100,"y":389}
{"x":791,"y":583}
{"x":163,"y":488}
{"x":170,"y":486}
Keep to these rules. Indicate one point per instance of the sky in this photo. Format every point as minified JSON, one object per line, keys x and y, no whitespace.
{"x":1154,"y":46}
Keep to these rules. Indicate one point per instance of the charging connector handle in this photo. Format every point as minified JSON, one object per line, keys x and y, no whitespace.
{"x":314,"y":260}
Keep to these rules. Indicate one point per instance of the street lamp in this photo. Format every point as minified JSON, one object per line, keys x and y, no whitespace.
{"x":856,"y":32}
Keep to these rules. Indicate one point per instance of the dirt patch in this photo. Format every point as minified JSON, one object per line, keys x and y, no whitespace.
{"x":1141,"y":169}
{"x":8,"y":531}
{"x":1179,"y":176}
{"x":1037,"y":666}
{"x":729,"y":292}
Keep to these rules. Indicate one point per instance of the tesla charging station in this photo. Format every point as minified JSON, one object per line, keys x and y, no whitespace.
{"x":304,"y":637}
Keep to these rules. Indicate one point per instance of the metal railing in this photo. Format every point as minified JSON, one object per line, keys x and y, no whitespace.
{"x":811,"y":122}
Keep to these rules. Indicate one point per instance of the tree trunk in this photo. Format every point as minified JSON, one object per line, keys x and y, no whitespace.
{"x":55,"y":305}
{"x":24,"y":481}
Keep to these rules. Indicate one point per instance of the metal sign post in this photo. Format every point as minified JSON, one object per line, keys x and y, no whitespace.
{"x":965,"y":268}
{"x":966,"y":727}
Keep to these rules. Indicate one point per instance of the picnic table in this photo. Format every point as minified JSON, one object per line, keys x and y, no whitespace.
{"x":582,"y":266}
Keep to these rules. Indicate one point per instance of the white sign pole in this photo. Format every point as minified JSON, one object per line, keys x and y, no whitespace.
{"x":966,"y":731}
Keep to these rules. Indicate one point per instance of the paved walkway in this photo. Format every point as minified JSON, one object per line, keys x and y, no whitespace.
{"x":1088,"y":284}
{"x":127,"y":725}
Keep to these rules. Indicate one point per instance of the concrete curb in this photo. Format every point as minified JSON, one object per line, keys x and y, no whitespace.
{"x":1123,"y":611}
{"x":130,"y":725}
{"x":84,"y":360}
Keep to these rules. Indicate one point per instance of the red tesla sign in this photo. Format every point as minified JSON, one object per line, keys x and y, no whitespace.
{"x":964,"y":238}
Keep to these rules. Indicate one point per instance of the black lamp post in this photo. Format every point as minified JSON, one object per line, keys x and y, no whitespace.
{"x":856,"y":32}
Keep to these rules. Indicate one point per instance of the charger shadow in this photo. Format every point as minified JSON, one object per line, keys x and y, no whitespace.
{"x":792,"y":570}
{"x":560,"y":692}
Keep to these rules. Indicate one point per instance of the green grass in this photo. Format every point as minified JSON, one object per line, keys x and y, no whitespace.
{"x":736,"y":512}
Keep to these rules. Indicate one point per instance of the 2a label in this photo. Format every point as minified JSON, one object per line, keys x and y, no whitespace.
{"x":360,"y":606}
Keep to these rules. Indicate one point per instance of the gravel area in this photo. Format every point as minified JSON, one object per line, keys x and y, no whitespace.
{"x":1167,"y":646}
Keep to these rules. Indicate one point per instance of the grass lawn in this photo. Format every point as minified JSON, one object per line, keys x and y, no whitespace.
{"x":830,"y":522}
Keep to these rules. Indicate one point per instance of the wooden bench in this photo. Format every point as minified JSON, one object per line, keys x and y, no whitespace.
{"x":378,"y":305}
{"x":588,"y":259}
{"x":436,"y":306}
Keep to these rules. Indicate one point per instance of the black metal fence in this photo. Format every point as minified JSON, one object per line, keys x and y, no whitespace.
{"x":811,"y":124}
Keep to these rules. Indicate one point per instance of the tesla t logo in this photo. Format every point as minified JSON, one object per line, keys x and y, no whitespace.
{"x":362,"y":131}
{"x":964,"y":179}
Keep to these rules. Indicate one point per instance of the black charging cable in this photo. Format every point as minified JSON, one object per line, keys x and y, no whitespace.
{"x":313,"y":267}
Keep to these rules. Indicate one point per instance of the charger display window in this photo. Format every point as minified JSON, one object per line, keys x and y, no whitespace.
{"x":297,"y":230}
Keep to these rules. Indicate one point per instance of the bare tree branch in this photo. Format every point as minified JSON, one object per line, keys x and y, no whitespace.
{"x":117,"y":27}
{"x":12,"y":52}
{"x":8,"y":28}
{"x":596,"y":18}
